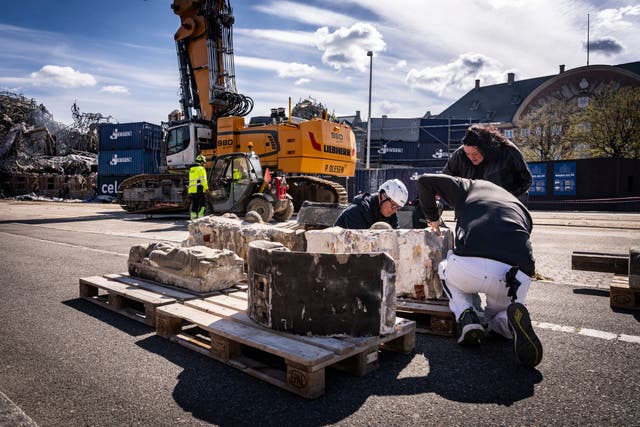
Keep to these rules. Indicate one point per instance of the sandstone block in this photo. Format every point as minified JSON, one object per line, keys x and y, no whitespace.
{"x":197,"y":268}
{"x":416,"y":252}
{"x":222,"y":232}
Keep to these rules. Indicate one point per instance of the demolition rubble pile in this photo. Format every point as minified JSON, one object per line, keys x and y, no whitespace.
{"x":42,"y":156}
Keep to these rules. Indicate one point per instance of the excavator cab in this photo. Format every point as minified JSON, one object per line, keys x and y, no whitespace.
{"x":237,"y":184}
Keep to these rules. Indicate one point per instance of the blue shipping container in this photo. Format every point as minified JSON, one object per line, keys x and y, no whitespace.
{"x":413,"y":153}
{"x":128,"y":162}
{"x":129,"y":136}
{"x":108,"y":185}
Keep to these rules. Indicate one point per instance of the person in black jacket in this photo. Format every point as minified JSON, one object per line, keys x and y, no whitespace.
{"x":486,"y":154}
{"x":492,"y":255}
{"x":367,"y":209}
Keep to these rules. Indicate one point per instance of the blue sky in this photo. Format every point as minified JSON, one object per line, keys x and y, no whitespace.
{"x":118,"y":57}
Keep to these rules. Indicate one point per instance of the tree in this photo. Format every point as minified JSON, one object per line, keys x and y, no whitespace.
{"x":544,"y":133}
{"x":610,"y":124}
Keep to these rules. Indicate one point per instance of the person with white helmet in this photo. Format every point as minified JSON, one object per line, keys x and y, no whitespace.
{"x":198,"y":186}
{"x":367,"y":209}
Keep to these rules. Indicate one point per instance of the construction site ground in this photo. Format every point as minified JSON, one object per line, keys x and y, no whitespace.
{"x":66,"y":361}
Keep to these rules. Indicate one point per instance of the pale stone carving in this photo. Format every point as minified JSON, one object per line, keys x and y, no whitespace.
{"x":223,"y":232}
{"x":197,"y":268}
{"x":416,"y":252}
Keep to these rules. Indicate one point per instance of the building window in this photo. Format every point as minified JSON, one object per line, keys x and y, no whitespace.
{"x":475,"y":105}
{"x":508,"y":133}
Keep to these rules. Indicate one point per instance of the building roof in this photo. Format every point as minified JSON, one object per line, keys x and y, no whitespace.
{"x":499,"y":103}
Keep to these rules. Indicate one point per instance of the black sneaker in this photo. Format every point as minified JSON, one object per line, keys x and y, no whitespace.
{"x":470,"y":331}
{"x":525,"y":342}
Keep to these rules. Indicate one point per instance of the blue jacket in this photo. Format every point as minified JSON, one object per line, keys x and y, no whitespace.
{"x":363,"y":212}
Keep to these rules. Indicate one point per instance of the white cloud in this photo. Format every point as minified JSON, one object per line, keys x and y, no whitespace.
{"x":302,"y":82}
{"x":347,"y":47}
{"x":116,"y":89}
{"x":304,"y":13}
{"x":302,"y":38}
{"x":67,"y":77}
{"x":281,"y":68}
{"x":400,"y":65}
{"x":457,"y":76}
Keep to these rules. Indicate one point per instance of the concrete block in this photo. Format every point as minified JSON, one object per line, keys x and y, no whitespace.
{"x":320,"y":293}
{"x":197,"y":268}
{"x":416,"y":252}
{"x":234,"y":234}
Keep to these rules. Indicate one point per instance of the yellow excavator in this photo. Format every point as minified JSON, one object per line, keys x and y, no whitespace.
{"x":212,"y":123}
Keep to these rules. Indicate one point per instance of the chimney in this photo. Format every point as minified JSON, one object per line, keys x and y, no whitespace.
{"x":561,"y":69}
{"x":477,"y":83}
{"x":510,"y":78}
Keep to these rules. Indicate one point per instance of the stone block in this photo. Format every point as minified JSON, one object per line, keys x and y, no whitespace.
{"x":320,"y":293}
{"x":229,"y":232}
{"x":197,"y":268}
{"x":416,"y":252}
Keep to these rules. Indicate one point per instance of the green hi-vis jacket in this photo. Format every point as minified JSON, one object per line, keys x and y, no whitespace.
{"x":197,"y":176}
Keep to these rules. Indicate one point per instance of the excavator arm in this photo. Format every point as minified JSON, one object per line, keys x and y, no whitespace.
{"x":204,"y":45}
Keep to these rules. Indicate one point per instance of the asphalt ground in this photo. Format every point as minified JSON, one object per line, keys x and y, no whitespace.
{"x":67,"y":362}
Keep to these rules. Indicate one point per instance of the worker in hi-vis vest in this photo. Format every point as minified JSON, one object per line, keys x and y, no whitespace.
{"x":197,"y":187}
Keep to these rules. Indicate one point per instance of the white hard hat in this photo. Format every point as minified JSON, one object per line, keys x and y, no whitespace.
{"x":396,"y":191}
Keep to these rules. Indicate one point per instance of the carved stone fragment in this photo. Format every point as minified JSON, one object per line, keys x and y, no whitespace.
{"x":197,"y":268}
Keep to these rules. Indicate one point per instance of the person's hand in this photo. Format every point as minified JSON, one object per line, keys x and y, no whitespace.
{"x":435,"y":226}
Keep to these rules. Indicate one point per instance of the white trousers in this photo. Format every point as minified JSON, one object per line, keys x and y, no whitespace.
{"x":464,"y":276}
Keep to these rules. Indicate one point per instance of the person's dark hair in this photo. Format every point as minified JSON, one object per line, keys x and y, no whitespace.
{"x":487,"y":138}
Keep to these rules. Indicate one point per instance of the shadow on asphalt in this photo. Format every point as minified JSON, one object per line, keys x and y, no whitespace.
{"x":219,"y":394}
{"x":100,"y":217}
{"x":112,"y":318}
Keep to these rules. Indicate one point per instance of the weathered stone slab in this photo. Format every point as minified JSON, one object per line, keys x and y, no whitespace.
{"x":416,"y":252}
{"x":197,"y":268}
{"x":221,"y":232}
{"x":321,"y":293}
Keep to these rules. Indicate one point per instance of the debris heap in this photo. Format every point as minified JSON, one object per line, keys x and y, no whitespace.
{"x":38,"y":154}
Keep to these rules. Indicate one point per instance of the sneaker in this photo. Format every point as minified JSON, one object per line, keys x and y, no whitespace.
{"x":525,"y":342}
{"x":470,"y":331}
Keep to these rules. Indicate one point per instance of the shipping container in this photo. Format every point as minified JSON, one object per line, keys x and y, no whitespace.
{"x":128,"y":162}
{"x":586,"y":184}
{"x":415,"y":154}
{"x":108,"y":185}
{"x":129,"y":136}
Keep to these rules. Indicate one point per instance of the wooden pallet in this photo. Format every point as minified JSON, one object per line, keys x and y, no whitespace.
{"x":623,"y":296}
{"x":219,"y":328}
{"x":432,"y":316}
{"x":135,"y":298}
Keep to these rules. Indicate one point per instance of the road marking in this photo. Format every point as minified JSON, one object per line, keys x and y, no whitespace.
{"x":69,"y":245}
{"x":588,"y":332}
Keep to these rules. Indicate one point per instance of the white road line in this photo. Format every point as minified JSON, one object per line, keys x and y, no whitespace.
{"x":69,"y":245}
{"x":587,"y":332}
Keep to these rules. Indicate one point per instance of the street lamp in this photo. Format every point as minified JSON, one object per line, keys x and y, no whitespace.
{"x":370,"y":55}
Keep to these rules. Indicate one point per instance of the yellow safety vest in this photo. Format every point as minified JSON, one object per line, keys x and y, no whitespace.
{"x":197,"y":176}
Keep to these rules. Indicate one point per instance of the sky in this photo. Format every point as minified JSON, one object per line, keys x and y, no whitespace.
{"x":118,"y":58}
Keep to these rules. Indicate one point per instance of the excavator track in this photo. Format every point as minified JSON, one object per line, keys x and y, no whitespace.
{"x":315,"y":189}
{"x":153,"y":193}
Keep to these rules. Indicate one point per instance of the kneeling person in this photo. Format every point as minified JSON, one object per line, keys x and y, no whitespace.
{"x":367,"y":209}
{"x":492,"y":254}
